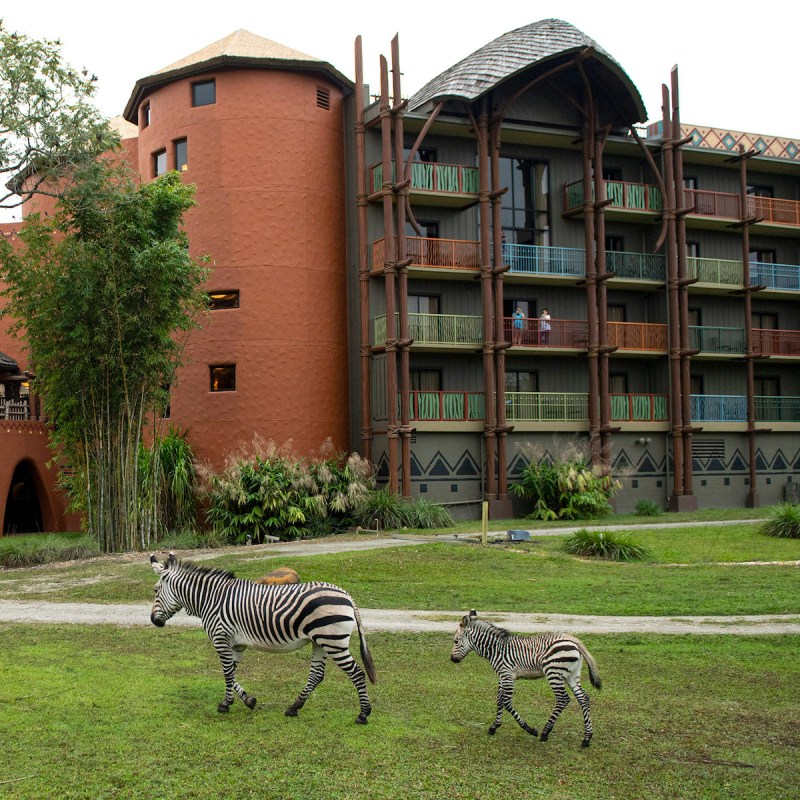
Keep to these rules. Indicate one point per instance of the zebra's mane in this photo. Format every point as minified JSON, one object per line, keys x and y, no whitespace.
{"x":491,"y":629}
{"x":197,"y":569}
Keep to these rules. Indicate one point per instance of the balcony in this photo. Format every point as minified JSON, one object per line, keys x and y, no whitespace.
{"x":530,"y":259}
{"x":573,"y":334}
{"x":19,"y":409}
{"x":624,"y":196}
{"x":774,"y":342}
{"x":727,"y":206}
{"x":446,"y":406}
{"x":733,"y":408}
{"x":434,"y":254}
{"x":640,"y":336}
{"x":639,"y":408}
{"x":727,"y":272}
{"x":436,"y":329}
{"x":434,"y":183}
{"x":637,"y":266}
{"x":714,"y":340}
{"x":574,"y":407}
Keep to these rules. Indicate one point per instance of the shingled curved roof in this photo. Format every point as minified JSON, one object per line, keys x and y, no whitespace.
{"x":520,"y":50}
{"x":240,"y":49}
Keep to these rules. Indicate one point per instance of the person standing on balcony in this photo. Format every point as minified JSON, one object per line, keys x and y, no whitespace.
{"x":518,"y":325}
{"x":544,"y":327}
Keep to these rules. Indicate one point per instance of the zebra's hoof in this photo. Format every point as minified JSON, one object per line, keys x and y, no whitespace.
{"x":491,"y":730}
{"x":250,"y":702}
{"x":361,"y":719}
{"x":531,"y":731}
{"x":223,"y":707}
{"x":585,"y":742}
{"x":290,"y":712}
{"x":544,"y":736}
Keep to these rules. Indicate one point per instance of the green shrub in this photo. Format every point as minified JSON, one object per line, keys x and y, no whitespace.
{"x":783,"y":521}
{"x":424,"y":513}
{"x":569,"y":489}
{"x":604,"y":544}
{"x":389,"y":511}
{"x":647,"y":508}
{"x":268,"y":491}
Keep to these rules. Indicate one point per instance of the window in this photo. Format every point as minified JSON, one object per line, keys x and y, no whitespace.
{"x":758,"y":190}
{"x":426,"y":154}
{"x":695,"y":317}
{"x":696,"y":385}
{"x":767,"y":387}
{"x":762,"y":257}
{"x":522,"y":381}
{"x":204,"y":93}
{"x":618,"y":383}
{"x":423,"y":304}
{"x":145,"y":115}
{"x":615,"y":244}
{"x":429,"y":229}
{"x":525,"y":207}
{"x":612,"y":174}
{"x":228,"y":299}
{"x":159,"y":163}
{"x":426,"y":380}
{"x":615,"y":312}
{"x":223,"y":378}
{"x":693,"y":249}
{"x":765,"y":321}
{"x":510,"y":305}
{"x":689,"y":182}
{"x":181,"y":155}
{"x":323,"y":98}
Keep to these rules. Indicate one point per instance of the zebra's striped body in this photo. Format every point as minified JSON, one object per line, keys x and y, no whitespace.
{"x":554,"y":656}
{"x":238,"y":614}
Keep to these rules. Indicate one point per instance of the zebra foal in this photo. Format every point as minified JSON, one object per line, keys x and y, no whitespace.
{"x":554,"y":656}
{"x":238,"y":614}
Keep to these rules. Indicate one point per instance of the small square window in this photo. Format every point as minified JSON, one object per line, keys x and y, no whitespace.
{"x":181,"y":155}
{"x":204,"y":93}
{"x":223,"y":378}
{"x":218,"y":300}
{"x":159,"y":163}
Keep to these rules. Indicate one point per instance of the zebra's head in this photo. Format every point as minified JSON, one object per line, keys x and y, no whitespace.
{"x":166,"y":603}
{"x":461,"y":643}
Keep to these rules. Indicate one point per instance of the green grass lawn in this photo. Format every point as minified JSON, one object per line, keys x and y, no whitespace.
{"x":104,"y":712}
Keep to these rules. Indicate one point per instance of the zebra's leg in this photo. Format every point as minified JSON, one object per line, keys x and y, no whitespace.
{"x":319,"y":659}
{"x":505,"y":693}
{"x":583,"y":702}
{"x":342,"y":658}
{"x":229,"y":657}
{"x":556,"y":682}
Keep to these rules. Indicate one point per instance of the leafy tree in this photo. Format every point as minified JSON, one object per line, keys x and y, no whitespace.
{"x":101,"y":291}
{"x":48,"y":125}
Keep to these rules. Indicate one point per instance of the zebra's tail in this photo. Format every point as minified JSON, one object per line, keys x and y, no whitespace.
{"x":366,"y":656}
{"x":594,"y":675}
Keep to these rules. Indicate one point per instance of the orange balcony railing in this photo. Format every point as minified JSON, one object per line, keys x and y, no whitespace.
{"x":773,"y":210}
{"x":571,"y":333}
{"x":436,"y":253}
{"x":770,"y":342}
{"x":638,"y":336}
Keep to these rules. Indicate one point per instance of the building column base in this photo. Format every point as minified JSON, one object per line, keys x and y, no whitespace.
{"x":752,"y":500}
{"x":501,"y":509}
{"x":682,"y":502}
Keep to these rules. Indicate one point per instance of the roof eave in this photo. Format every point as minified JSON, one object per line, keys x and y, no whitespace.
{"x":145,"y":86}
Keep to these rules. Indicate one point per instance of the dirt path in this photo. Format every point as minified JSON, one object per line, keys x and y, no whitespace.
{"x":400,"y":620}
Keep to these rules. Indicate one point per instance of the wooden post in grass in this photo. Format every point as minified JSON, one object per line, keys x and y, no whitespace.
{"x":485,"y":522}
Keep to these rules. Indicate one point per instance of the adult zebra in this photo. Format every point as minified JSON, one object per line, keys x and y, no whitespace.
{"x":238,"y":613}
{"x":555,"y":656}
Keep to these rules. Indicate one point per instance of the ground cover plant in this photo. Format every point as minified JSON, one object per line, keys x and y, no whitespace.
{"x":26,"y":551}
{"x":689,"y":571}
{"x":611,"y":545}
{"x":131,"y":713}
{"x":783,"y":521}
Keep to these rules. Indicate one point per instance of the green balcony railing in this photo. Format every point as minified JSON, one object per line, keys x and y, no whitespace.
{"x":445,"y":406}
{"x":710,"y":339}
{"x":639,"y":407}
{"x":637,"y":266}
{"x":622,"y":194}
{"x":715,"y":270}
{"x":431,"y":176}
{"x":777,"y":409}
{"x":435,"y":328}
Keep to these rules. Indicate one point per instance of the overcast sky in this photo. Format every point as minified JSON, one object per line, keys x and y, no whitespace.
{"x":737,"y":62}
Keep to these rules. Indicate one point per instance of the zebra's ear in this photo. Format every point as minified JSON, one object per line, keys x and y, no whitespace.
{"x":171,"y":561}
{"x":158,"y":568}
{"x":473,"y":613}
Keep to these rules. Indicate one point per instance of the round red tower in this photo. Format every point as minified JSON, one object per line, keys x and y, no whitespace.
{"x":258,"y":128}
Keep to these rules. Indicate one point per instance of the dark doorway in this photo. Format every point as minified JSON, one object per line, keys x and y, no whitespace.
{"x":23,"y":512}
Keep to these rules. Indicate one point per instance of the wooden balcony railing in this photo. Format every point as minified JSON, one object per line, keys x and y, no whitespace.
{"x":773,"y":342}
{"x":569,"y":333}
{"x":622,"y":194}
{"x":438,"y":253}
{"x":435,"y":328}
{"x":733,"y":408}
{"x":773,"y":210}
{"x":15,"y":409}
{"x":638,"y":336}
{"x":433,"y":176}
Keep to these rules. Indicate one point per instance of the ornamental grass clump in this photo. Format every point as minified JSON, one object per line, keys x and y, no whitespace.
{"x":783,"y":521}
{"x":647,"y":508}
{"x":604,"y":544}
{"x":30,"y":551}
{"x":387,"y":510}
{"x":567,"y":489}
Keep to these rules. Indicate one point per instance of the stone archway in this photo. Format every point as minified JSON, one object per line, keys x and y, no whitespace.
{"x":23,"y":505}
